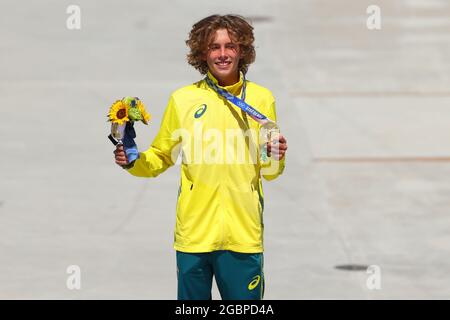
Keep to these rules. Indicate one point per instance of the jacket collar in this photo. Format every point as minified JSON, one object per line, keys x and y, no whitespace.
{"x":234,"y":88}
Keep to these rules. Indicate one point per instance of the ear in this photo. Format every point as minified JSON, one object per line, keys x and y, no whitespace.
{"x":241,"y":53}
{"x":204,"y":54}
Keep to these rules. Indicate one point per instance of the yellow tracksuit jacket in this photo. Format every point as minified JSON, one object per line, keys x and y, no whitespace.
{"x":220,"y":198}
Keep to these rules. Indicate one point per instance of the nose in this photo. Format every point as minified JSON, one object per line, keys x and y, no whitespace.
{"x":222,"y":52}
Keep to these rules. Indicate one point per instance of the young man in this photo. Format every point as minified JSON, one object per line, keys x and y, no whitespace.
{"x":219,"y":224}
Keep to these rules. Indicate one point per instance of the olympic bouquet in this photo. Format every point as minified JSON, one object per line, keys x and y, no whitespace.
{"x":122,"y":115}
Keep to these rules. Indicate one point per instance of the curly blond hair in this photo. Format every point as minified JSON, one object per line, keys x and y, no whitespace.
{"x":241,"y":32}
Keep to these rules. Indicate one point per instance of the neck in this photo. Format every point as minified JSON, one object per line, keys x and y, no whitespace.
{"x":229,"y":81}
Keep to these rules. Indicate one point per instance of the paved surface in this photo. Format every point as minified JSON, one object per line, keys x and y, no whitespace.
{"x":365,"y":113}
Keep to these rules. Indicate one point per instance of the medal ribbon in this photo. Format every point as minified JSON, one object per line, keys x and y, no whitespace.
{"x":252,"y":112}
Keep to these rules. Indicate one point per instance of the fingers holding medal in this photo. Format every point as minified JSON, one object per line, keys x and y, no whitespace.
{"x":277,"y":147}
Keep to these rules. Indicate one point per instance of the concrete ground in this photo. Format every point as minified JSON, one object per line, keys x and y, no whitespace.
{"x":365,"y":112}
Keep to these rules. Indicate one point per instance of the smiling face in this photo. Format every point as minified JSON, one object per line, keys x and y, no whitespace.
{"x":222,"y":57}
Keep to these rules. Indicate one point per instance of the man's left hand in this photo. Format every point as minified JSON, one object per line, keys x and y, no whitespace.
{"x":277,"y":148}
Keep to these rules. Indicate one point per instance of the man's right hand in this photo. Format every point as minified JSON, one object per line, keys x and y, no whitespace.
{"x":120,"y":156}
